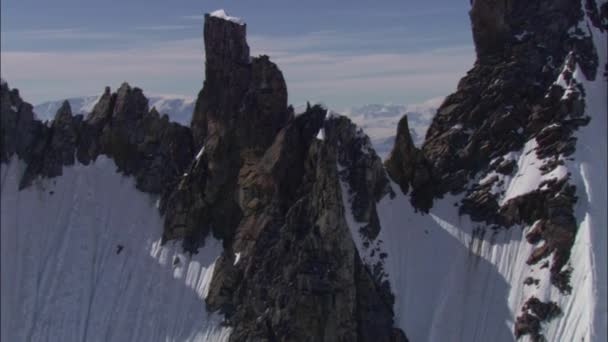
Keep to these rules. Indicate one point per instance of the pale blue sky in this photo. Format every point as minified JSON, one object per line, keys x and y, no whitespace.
{"x":340,"y":53}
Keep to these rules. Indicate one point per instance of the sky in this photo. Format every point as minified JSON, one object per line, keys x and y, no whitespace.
{"x":340,"y":53}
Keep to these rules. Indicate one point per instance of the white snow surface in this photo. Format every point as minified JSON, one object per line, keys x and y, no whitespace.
{"x":321,"y":134}
{"x":589,"y":171}
{"x":200,"y":153}
{"x":222,"y":14}
{"x":64,"y":279}
{"x":528,"y":176}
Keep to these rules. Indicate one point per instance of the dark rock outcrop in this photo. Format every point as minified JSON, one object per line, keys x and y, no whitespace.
{"x":535,"y":312}
{"x":409,"y":168}
{"x":19,"y":128}
{"x":238,"y":113}
{"x":299,"y":275}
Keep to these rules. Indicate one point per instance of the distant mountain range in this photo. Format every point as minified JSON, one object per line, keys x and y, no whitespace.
{"x":179,"y":108}
{"x":379,"y":121}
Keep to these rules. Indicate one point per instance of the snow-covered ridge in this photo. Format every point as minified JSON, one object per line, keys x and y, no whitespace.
{"x":82,"y":261}
{"x":220,"y":13}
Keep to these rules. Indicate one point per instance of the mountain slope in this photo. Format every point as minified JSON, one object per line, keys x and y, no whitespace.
{"x":85,"y":262}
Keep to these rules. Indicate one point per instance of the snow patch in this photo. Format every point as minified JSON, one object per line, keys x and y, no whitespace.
{"x":529,"y":176}
{"x":222,"y":14}
{"x":200,"y":153}
{"x":321,"y":134}
{"x":521,"y":36}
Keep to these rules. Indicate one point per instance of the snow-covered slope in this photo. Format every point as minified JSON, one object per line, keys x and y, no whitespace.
{"x":179,"y":108}
{"x":85,"y":263}
{"x":455,"y":280}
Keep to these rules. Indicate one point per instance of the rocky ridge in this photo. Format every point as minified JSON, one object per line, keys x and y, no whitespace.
{"x":142,"y":143}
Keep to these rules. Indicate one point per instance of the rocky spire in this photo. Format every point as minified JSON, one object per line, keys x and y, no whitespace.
{"x":64,"y":112}
{"x":18,"y":127}
{"x":238,"y":114}
{"x":238,"y":90}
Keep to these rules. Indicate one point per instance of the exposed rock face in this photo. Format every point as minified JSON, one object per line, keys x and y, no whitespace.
{"x":299,"y":276}
{"x":520,"y":90}
{"x":408,"y":167}
{"x":239,"y":111}
{"x":535,"y":312}
{"x":19,"y":128}
{"x":490,"y":25}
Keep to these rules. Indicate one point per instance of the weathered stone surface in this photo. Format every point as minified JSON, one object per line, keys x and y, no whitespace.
{"x":239,"y":112}
{"x":409,"y":168}
{"x":299,"y":276}
{"x":19,"y":128}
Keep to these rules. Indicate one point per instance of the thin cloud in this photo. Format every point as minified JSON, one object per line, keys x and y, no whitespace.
{"x":193,"y":17}
{"x":329,"y":40}
{"x":165,"y":27}
{"x":381,"y":13}
{"x":63,"y":33}
{"x":333,"y":75}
